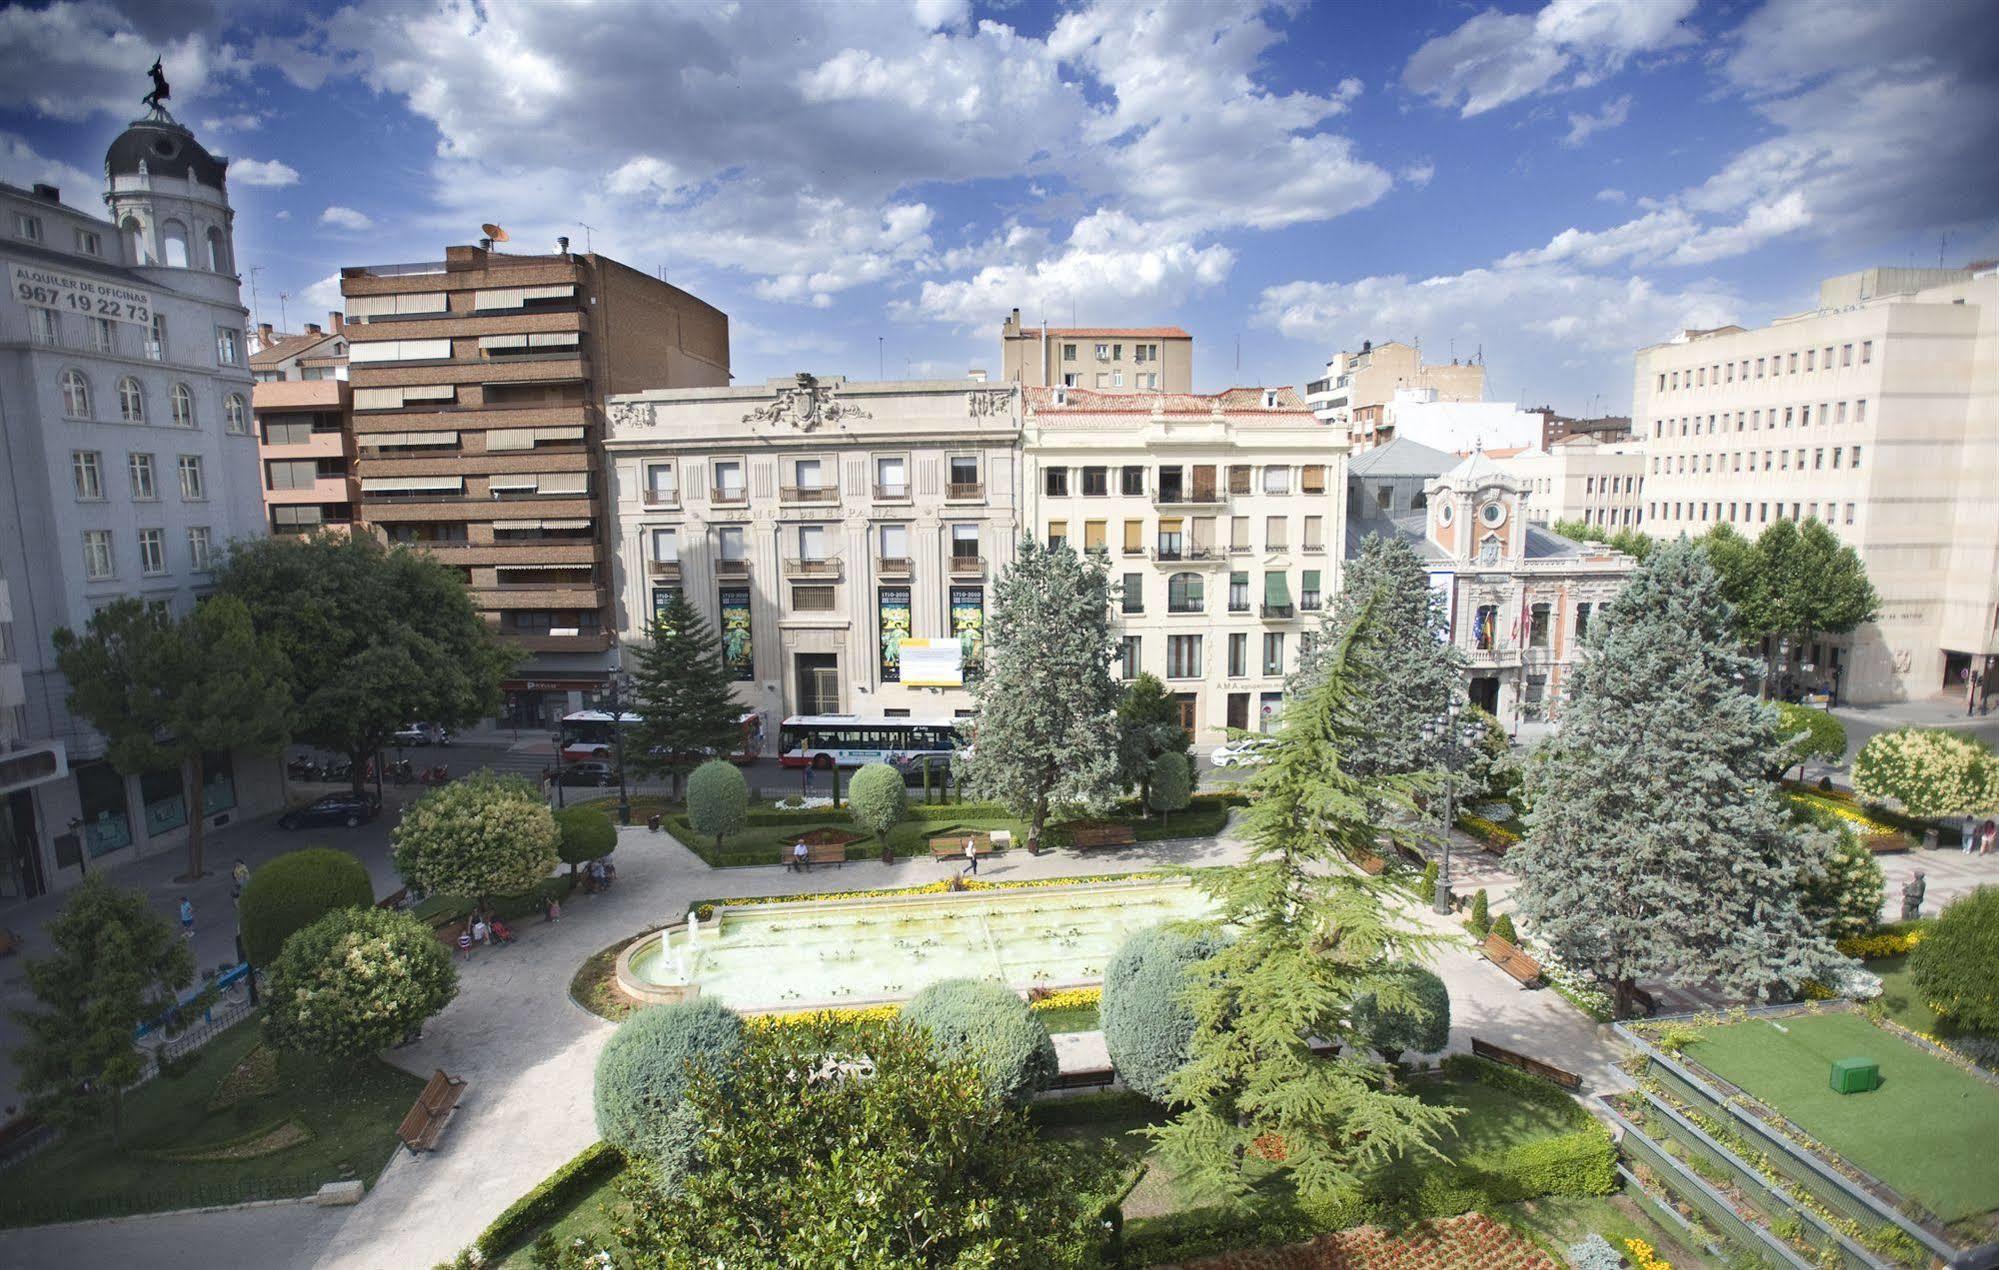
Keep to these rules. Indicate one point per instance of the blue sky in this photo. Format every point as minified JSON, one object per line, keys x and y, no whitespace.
{"x":1552,"y":184}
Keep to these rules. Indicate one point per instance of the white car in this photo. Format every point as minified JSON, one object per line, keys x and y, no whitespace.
{"x":1245,"y":751}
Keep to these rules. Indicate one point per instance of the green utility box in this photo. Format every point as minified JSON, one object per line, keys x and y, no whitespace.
{"x":1855,"y":1075}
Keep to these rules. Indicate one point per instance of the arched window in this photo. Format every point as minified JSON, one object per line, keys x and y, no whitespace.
{"x":218,"y":252}
{"x":235,"y":417}
{"x":183,"y":406}
{"x":173,"y":244}
{"x":131,"y":402}
{"x":75,"y":395}
{"x":135,"y":240}
{"x":1183,"y":593}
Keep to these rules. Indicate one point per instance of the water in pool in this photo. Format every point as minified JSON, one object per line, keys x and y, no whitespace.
{"x":838,"y":952}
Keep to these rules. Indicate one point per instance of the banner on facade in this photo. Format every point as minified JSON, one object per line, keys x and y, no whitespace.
{"x":1444,"y":584}
{"x":894,"y":610}
{"x":662,"y":598}
{"x":933,"y":663}
{"x":737,"y":656}
{"x":77,"y":293}
{"x":968,"y":624}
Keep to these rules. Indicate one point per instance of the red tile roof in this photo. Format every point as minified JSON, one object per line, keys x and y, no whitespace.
{"x":284,"y":346}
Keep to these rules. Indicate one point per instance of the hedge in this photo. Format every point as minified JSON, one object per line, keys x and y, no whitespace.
{"x":1493,"y":834}
{"x":989,"y":1026}
{"x":550,"y":1198}
{"x":295,"y":890}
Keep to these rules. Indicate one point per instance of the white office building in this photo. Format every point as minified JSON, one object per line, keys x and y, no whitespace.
{"x":1580,"y":478}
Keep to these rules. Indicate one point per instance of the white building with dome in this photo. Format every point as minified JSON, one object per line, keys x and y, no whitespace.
{"x":127,"y":464}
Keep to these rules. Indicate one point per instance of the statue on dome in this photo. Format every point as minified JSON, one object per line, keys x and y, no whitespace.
{"x":160,"y":90}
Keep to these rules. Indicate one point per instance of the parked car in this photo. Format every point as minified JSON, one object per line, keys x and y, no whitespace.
{"x":421,"y":734}
{"x":334,"y":809}
{"x":593,"y":774}
{"x":913,"y":766}
{"x":1245,"y":751}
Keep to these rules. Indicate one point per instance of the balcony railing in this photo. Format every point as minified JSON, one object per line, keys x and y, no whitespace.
{"x":809,"y":493}
{"x":663,"y":568}
{"x":732,"y":568}
{"x":1188,"y":498}
{"x":1278,"y":612}
{"x":720,"y":495}
{"x":1314,"y":548}
{"x":1185,"y":606}
{"x":662,"y":497}
{"x":965,"y":489}
{"x":892,"y":492}
{"x":893,"y":566}
{"x":816,"y":568}
{"x":1186,"y":555}
{"x":1239,"y":549}
{"x":968,"y":566}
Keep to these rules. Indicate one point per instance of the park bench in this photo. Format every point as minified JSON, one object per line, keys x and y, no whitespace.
{"x":952,"y":845}
{"x":1533,"y":1066}
{"x":396,"y":901}
{"x":826,"y":853}
{"x":1090,"y":834}
{"x":420,"y":1128}
{"x":1510,"y":959}
{"x":1084,"y":1078}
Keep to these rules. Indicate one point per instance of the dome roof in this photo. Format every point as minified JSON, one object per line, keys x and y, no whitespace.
{"x":167,"y":149}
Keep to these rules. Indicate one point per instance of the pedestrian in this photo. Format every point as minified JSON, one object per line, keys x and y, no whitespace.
{"x":971,"y":855}
{"x":186,"y":918}
{"x":465,"y":944}
{"x":239,"y":877}
{"x":1967,"y":837}
{"x":481,"y":933}
{"x":552,"y":911}
{"x":1991,"y":837}
{"x":801,"y":858}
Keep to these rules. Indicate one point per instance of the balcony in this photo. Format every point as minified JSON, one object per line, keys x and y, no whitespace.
{"x":728,"y":497}
{"x":968,"y":566}
{"x":662,"y":498}
{"x":818,"y":568}
{"x":732,"y":568}
{"x":1174,"y":496}
{"x":324,"y":489}
{"x":551,"y":642}
{"x":1239,"y":549}
{"x":965,"y":490}
{"x":1186,"y":555}
{"x":1278,"y":612}
{"x":895,"y":492}
{"x":663,"y":569}
{"x":809,"y":493}
{"x":893,"y":566}
{"x":1314,"y":548}
{"x":1186,"y":607}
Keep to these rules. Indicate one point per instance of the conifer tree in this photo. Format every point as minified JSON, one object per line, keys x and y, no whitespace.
{"x":1148,"y":726}
{"x":687,"y":709}
{"x":1314,"y":939}
{"x":1658,"y":847}
{"x":1046,"y":728}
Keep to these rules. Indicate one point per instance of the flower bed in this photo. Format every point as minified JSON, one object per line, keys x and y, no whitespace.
{"x":705,"y":909}
{"x":1882,"y":943}
{"x":1471,"y":1240}
{"x":1495,"y":837}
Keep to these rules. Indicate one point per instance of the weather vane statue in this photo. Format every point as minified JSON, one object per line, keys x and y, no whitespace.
{"x":160,"y":91}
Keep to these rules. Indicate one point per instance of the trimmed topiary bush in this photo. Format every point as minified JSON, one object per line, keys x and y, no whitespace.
{"x":1481,"y":919}
{"x":1421,"y":1024}
{"x":482,"y":836}
{"x":643,"y":1073}
{"x":1148,"y":1031}
{"x":1426,"y":890}
{"x":294,"y":891}
{"x":587,"y":834}
{"x":877,"y":799}
{"x":1957,"y":965}
{"x":356,"y":981}
{"x":718,"y":800}
{"x":988,"y":1025}
{"x":1502,"y":926}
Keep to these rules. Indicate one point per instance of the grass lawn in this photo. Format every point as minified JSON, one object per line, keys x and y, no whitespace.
{"x":1558,"y":1221}
{"x":1923,"y":1132}
{"x":767,"y":844}
{"x":591,"y":1219}
{"x":1074,"y":1018}
{"x":1900,"y":996}
{"x":340,"y":1120}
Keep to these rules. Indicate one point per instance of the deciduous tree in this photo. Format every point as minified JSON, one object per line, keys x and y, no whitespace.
{"x":292,"y":892}
{"x":878,"y":799}
{"x":1957,"y":964}
{"x":167,"y":692}
{"x":1172,"y":785}
{"x":1808,"y":733}
{"x":1931,"y":772}
{"x":1045,"y":727}
{"x":586,"y":834}
{"x":1817,"y":585}
{"x":117,"y":964}
{"x":1148,"y":726}
{"x":1629,"y":541}
{"x":373,"y":638}
{"x":479,"y":837}
{"x":683,"y":696}
{"x":1658,"y":847}
{"x":357,"y":981}
{"x":718,"y":799}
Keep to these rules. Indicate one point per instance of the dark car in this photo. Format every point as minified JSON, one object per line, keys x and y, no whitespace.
{"x":334,"y":809}
{"x":589,"y":773}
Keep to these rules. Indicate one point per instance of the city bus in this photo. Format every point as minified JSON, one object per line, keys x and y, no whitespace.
{"x":591,"y":735}
{"x":851,"y":740}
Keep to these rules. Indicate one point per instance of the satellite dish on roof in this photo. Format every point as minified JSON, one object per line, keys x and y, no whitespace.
{"x":494,"y":232}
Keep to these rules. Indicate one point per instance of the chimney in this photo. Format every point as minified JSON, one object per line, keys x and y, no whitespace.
{"x":44,"y":190}
{"x":336,"y":321}
{"x":312,"y":328}
{"x":562,"y":245}
{"x":264,"y":334}
{"x":976,"y":374}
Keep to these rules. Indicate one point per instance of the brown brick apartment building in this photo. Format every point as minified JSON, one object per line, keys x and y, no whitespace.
{"x":478,"y":394}
{"x":305,"y":448}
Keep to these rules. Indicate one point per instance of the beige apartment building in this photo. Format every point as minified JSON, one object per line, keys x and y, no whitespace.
{"x":1581,"y":479}
{"x":840,"y":537}
{"x":305,"y":440}
{"x":1102,"y":359}
{"x":1222,"y":518}
{"x":1355,"y":381}
{"x":478,"y":384}
{"x":1877,"y":413}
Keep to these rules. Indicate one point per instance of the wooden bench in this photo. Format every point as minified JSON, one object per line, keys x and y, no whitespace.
{"x":1084,"y":1078}
{"x":396,"y":901}
{"x":1533,"y":1066}
{"x":1510,"y":959}
{"x":420,"y":1128}
{"x":952,"y":846}
{"x":1090,"y":835}
{"x":1369,"y":863}
{"x":826,"y":853}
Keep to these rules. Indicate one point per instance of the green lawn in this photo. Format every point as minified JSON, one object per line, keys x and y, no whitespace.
{"x":1074,"y":1018}
{"x":592,"y":1219}
{"x":1900,"y":997}
{"x":1924,"y":1132}
{"x":1559,"y":1221}
{"x":348,"y":1112}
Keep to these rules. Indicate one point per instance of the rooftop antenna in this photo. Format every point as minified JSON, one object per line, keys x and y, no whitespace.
{"x":1942,"y":239}
{"x":254,"y":306}
{"x":494,"y":234}
{"x":283,"y":321}
{"x":881,"y":358}
{"x":586,"y":240}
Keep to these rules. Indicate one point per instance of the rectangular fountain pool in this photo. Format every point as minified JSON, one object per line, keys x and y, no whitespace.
{"x":848,"y":952}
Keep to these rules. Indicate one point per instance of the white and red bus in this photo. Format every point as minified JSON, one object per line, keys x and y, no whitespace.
{"x":851,"y":740}
{"x":592,"y":734}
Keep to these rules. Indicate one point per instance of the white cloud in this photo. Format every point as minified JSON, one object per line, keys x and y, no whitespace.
{"x":21,"y":165}
{"x":246,"y":121}
{"x":323,"y":295}
{"x":1417,"y":174}
{"x":1611,"y":196}
{"x":282,"y":214}
{"x":1583,"y":126}
{"x":73,"y":60}
{"x":1111,"y":265}
{"x":1495,"y":58}
{"x":269,"y":172}
{"x":1650,"y":238}
{"x":346,"y":218}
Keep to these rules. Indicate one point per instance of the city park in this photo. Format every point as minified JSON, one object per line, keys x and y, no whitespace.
{"x":1151,"y":1026}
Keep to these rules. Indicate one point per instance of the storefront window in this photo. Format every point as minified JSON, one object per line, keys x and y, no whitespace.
{"x":166,"y":809}
{"x":100,"y":793}
{"x":218,"y":783}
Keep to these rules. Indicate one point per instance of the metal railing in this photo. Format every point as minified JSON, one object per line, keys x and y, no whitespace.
{"x":1183,"y":497}
{"x":808,"y":493}
{"x":1278,"y":612}
{"x":663,"y":568}
{"x":720,"y":495}
{"x":82,"y":1205}
{"x":965,"y":489}
{"x":815,"y":568}
{"x":893,"y":491}
{"x":897,"y":565}
{"x":732,"y":568}
{"x":968,"y":565}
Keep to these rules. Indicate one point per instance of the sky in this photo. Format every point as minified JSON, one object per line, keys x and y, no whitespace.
{"x":868,"y":188}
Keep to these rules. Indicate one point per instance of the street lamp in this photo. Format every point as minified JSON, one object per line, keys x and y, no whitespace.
{"x":615,"y":694}
{"x":1457,"y":738}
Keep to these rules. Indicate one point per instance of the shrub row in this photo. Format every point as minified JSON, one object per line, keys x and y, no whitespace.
{"x":1514,"y":1081}
{"x":1882,"y":943}
{"x":1493,"y":834}
{"x":556,"y":1193}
